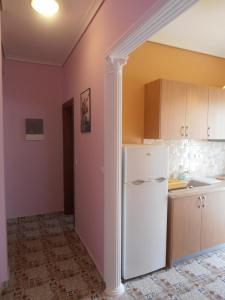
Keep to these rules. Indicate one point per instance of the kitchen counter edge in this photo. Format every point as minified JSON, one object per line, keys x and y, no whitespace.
{"x":189,"y":192}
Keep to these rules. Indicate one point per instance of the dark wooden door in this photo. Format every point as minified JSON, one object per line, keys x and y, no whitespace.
{"x":68,"y":156}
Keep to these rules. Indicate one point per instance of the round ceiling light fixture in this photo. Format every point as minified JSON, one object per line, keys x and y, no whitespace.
{"x":47,"y":8}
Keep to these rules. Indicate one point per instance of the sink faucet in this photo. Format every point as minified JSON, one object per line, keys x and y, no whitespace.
{"x":183,"y":175}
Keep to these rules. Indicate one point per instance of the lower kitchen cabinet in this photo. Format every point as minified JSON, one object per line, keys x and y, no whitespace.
{"x":185,"y":226}
{"x":195,"y":223}
{"x":213,"y":219}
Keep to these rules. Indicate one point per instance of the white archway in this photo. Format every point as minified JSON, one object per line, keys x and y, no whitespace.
{"x":160,"y":14}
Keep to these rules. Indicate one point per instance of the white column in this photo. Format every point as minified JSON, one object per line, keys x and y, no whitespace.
{"x":155,"y":18}
{"x":112,"y":175}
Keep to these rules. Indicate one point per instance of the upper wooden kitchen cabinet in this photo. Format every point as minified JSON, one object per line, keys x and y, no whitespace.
{"x":165,"y":109}
{"x":216,"y":114}
{"x":197,"y":112}
{"x":175,"y":110}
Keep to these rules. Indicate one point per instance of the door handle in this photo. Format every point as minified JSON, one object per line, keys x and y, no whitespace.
{"x":208,"y":131}
{"x":186,"y":131}
{"x":138,"y":182}
{"x":203,"y":200}
{"x":160,"y":179}
{"x":200,"y":201}
{"x":182,"y":131}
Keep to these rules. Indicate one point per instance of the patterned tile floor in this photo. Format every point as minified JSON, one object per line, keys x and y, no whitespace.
{"x":48,"y":262}
{"x":200,"y":278}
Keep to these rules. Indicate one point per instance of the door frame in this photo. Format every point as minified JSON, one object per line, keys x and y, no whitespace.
{"x":65,"y":105}
{"x":155,"y":18}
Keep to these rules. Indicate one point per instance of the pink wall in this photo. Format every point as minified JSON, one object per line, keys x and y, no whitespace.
{"x":3,"y":241}
{"x":33,"y":169}
{"x":85,"y":69}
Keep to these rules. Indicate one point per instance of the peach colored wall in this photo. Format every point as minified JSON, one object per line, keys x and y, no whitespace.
{"x":3,"y":240}
{"x":85,"y":69}
{"x":33,"y":168}
{"x":152,"y":61}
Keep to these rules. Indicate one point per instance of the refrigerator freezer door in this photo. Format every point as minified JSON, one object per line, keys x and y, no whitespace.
{"x":144,"y":228}
{"x":144,"y":163}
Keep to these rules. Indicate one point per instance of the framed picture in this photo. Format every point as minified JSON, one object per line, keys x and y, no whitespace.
{"x":34,"y":129}
{"x":85,"y":110}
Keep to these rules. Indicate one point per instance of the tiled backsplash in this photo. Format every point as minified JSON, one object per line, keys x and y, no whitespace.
{"x":199,"y":158}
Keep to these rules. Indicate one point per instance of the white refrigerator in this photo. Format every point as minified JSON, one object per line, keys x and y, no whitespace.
{"x":144,"y":209}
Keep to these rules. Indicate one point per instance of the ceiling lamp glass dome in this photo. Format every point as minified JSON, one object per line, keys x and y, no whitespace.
{"x":47,"y":8}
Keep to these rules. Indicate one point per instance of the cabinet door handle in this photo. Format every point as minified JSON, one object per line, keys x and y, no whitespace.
{"x":203,"y":200}
{"x":208,"y":131}
{"x":182,"y":131}
{"x":186,"y":131}
{"x":200,"y":201}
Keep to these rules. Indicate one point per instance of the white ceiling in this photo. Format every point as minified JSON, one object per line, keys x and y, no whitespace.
{"x":28,"y":36}
{"x":201,"y":29}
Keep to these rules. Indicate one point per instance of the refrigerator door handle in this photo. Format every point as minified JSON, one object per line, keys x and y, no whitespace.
{"x":160,"y":179}
{"x":138,"y":182}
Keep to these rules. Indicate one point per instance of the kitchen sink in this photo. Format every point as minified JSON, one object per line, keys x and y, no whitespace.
{"x":195,"y":183}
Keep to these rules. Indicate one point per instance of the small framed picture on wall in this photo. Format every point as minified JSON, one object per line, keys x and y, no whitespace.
{"x":85,"y":110}
{"x":34,"y":129}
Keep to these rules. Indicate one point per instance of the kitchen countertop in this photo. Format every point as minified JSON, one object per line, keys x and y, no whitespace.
{"x":188,"y":192}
